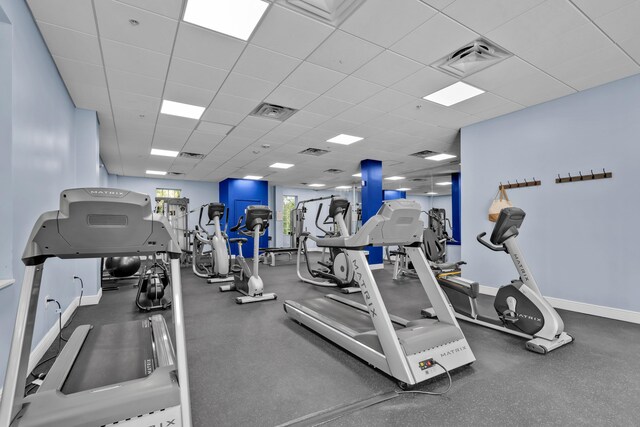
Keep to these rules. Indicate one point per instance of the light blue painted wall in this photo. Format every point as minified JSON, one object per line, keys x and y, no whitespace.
{"x":6,"y":213}
{"x":198,"y":192}
{"x":49,"y":140}
{"x":580,"y":239}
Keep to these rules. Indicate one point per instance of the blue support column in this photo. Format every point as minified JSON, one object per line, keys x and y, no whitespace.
{"x":237,"y":194}
{"x":393,"y":194}
{"x":371,"y":199}
{"x":456,"y":200}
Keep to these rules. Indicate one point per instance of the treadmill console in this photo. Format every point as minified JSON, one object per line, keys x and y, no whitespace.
{"x":507,"y":225}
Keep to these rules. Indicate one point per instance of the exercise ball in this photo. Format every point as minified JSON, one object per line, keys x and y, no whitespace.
{"x":122,"y":266}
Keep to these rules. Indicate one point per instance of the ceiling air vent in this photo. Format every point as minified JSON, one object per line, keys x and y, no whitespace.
{"x":423,"y":154}
{"x":332,"y":12}
{"x":271,"y":111}
{"x":419,"y":179}
{"x":333,"y":171}
{"x":175,"y":173}
{"x":472,"y":58}
{"x":195,"y":156}
{"x":314,"y":151}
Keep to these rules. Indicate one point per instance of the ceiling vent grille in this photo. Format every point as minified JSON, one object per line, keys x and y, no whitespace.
{"x":419,"y":179}
{"x":472,"y":58}
{"x":175,"y":173}
{"x":314,"y":151}
{"x":423,"y":154}
{"x":332,"y":12}
{"x":275,"y":112}
{"x":194,"y":156}
{"x":333,"y":171}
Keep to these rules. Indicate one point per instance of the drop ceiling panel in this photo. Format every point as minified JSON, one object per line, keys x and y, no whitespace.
{"x":207,"y":47}
{"x":196,"y":75}
{"x":246,"y":87}
{"x":132,"y":101}
{"x":480,"y":103}
{"x":247,"y":133}
{"x":438,"y":4}
{"x":134,"y":83}
{"x":434,"y":39}
{"x":222,"y":116}
{"x":290,"y":97}
{"x":88,"y":96}
{"x":187,"y":94}
{"x":133,"y":59}
{"x":387,"y":68}
{"x":307,"y":118}
{"x":384,"y":22}
{"x":71,"y":44}
{"x":505,"y":108}
{"x":424,"y":82}
{"x":535,"y":88}
{"x":234,"y":104}
{"x":154,"y":32}
{"x":344,"y":53}
{"x":597,"y":8}
{"x":388,"y":100}
{"x":622,"y":24}
{"x":507,"y":72}
{"x":484,"y":16}
{"x":259,"y":123}
{"x":169,"y":8}
{"x":173,"y":133}
{"x":72,"y":14}
{"x":433,"y":113}
{"x":80,"y":72}
{"x":265,"y":64}
{"x":214,"y":128}
{"x":327,"y":106}
{"x":175,"y":121}
{"x":313,"y":78}
{"x":360,"y":114}
{"x":276,"y":29}
{"x":353,"y":90}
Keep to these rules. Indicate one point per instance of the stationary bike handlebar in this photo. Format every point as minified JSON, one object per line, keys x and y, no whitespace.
{"x":489,"y":245}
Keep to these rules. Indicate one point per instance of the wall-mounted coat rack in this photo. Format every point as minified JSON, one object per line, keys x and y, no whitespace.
{"x":526,"y":183}
{"x":580,"y":177}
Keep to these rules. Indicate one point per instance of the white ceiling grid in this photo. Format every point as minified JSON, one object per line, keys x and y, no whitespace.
{"x":366,"y":78}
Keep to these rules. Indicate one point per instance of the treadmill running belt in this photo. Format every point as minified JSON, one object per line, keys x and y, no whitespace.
{"x":112,"y":354}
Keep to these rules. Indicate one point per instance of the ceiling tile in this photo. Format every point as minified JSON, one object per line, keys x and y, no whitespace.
{"x":482,"y":102}
{"x":384,"y":23}
{"x":72,"y":14}
{"x":80,"y":72}
{"x":207,"y":47}
{"x":632,"y":48}
{"x":187,"y":94}
{"x":353,"y":90}
{"x":438,"y":4}
{"x":154,"y":32}
{"x":344,"y":52}
{"x":265,"y":64}
{"x":88,"y":96}
{"x":307,"y":118}
{"x":196,"y":75}
{"x":223,"y":116}
{"x":290,"y":97}
{"x":71,"y":44}
{"x":175,"y":121}
{"x":622,"y":24}
{"x":169,"y":8}
{"x":443,"y":36}
{"x":388,"y":100}
{"x":486,"y":15}
{"x":134,"y":101}
{"x":234,"y":104}
{"x":202,"y":143}
{"x":213,"y":128}
{"x":433,"y":113}
{"x":424,"y":82}
{"x":259,"y":123}
{"x":597,"y":8}
{"x":505,"y":108}
{"x":133,"y":59}
{"x":327,"y":106}
{"x":246,"y":87}
{"x":134,"y":83}
{"x":387,"y":68}
{"x":313,"y":78}
{"x":289,"y":32}
{"x":537,"y":87}
{"x":146,"y":119}
{"x":360,"y":114}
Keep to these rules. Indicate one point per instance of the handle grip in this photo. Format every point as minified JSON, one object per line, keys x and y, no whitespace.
{"x":237,"y":226}
{"x":489,"y":245}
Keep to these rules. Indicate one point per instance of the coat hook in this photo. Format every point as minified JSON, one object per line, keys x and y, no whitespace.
{"x":592,"y":175}
{"x":604,"y":172}
{"x":581,"y":177}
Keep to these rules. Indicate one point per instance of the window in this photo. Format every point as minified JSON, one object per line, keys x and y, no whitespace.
{"x":168,"y":192}
{"x":288,"y":204}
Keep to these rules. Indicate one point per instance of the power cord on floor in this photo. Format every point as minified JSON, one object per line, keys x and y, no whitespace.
{"x":431,"y":393}
{"x":39,"y":377}
{"x":76,"y":310}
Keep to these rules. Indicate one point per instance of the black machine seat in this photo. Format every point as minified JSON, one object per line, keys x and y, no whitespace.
{"x":238,"y":239}
{"x":507,"y":225}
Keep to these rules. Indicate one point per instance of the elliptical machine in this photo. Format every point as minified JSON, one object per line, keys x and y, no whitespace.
{"x":214,"y":265}
{"x":246,"y":281}
{"x":152,"y":285}
{"x":519,"y":307}
{"x":337,"y":272}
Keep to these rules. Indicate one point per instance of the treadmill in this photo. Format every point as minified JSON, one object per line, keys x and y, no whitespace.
{"x":411,"y":351}
{"x":127,"y":374}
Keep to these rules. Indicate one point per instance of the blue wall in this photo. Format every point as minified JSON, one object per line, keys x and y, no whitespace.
{"x":233,"y":192}
{"x":580,"y":239}
{"x":393,"y":195}
{"x":52,"y":146}
{"x":371,"y":199}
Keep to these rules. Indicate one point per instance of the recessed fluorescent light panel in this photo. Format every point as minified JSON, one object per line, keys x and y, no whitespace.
{"x":443,"y":183}
{"x":149,"y":172}
{"x":359,"y":175}
{"x":453,"y":94}
{"x":395,"y":178}
{"x":440,"y":157}
{"x":281,"y":165}
{"x":165,"y":153}
{"x":316,"y":185}
{"x":343,"y":187}
{"x":252,"y":177}
{"x":182,"y":110}
{"x":344,"y":139}
{"x":404,"y":189}
{"x":432,"y":193}
{"x":236,"y":18}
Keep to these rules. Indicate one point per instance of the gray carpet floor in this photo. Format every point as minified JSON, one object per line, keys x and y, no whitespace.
{"x":250,"y":365}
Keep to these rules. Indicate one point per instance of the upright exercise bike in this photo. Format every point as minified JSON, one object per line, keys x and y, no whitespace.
{"x":214,"y":264}
{"x":337,"y":272}
{"x":519,"y":307}
{"x":246,"y":281}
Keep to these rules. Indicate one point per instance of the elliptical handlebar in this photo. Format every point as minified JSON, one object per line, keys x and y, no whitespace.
{"x":489,"y":245}
{"x":318,"y":219}
{"x":238,"y":225}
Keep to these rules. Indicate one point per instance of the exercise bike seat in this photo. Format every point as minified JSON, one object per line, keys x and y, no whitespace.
{"x":238,"y":239}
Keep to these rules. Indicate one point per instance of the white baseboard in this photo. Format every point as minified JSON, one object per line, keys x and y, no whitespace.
{"x":581,"y":307}
{"x":376,"y":266}
{"x":92,"y":299}
{"x":5,"y":283}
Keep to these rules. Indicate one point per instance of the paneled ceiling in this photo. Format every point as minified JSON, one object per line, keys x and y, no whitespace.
{"x":365,"y":77}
